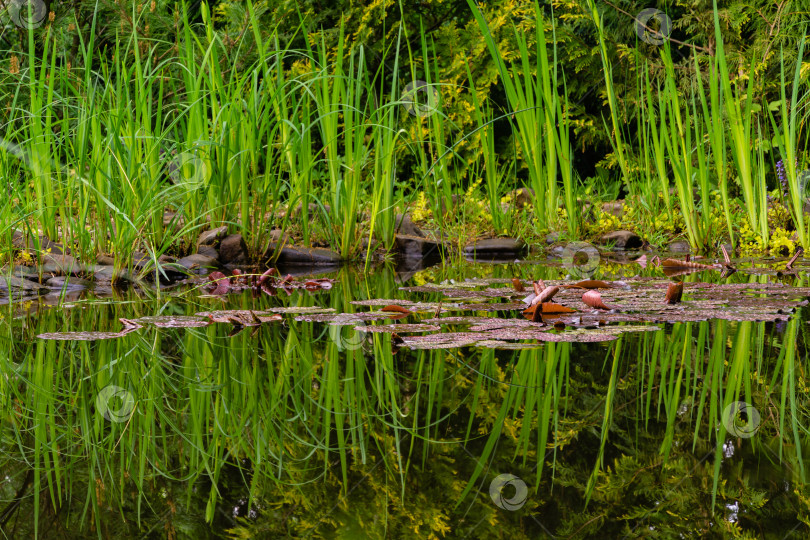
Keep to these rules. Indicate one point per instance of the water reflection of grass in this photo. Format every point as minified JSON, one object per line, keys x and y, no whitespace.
{"x":325,"y":433}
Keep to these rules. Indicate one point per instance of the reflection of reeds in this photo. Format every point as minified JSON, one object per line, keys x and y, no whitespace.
{"x":309,"y":407}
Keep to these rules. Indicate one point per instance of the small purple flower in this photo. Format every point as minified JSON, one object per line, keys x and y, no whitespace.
{"x":780,"y":173}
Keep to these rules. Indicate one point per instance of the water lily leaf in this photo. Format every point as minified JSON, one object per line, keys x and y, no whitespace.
{"x":175,"y":321}
{"x":498,"y":324}
{"x":381,"y":302}
{"x":506,"y":345}
{"x":240,"y":317}
{"x":300,"y":309}
{"x":399,"y":328}
{"x":448,"y":340}
{"x":129,"y":326}
{"x":461,"y":320}
{"x":493,"y":306}
{"x":348,"y":318}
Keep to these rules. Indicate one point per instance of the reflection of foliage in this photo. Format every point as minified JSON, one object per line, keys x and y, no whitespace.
{"x":269,"y":418}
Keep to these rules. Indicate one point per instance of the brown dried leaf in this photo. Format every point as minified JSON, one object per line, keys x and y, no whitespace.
{"x":674,"y":293}
{"x":219,"y":282}
{"x":546,"y":295}
{"x":594,"y":299}
{"x":393,"y":308}
{"x":674,"y":264}
{"x":518,"y":285}
{"x":267,"y":275}
{"x":590,"y":284}
{"x":552,"y":308}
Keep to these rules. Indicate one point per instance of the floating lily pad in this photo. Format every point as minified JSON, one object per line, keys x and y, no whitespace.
{"x":447,"y":340}
{"x":497,"y":324}
{"x":506,"y":345}
{"x":241,"y":317}
{"x":300,"y":310}
{"x":381,"y":302}
{"x":175,"y":321}
{"x":495,"y":306}
{"x":349,"y":318}
{"x":460,"y":320}
{"x":399,"y":328}
{"x":129,"y":326}
{"x":80,"y":336}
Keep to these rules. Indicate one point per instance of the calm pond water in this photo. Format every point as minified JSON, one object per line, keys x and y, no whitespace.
{"x":306,"y":429}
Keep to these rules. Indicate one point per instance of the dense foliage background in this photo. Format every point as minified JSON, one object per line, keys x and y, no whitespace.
{"x":124,"y":44}
{"x":759,"y":32}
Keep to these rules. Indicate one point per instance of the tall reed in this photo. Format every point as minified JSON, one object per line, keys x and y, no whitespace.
{"x":541,"y":119}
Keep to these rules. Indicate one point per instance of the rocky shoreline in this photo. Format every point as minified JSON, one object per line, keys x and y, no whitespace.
{"x":55,"y":268}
